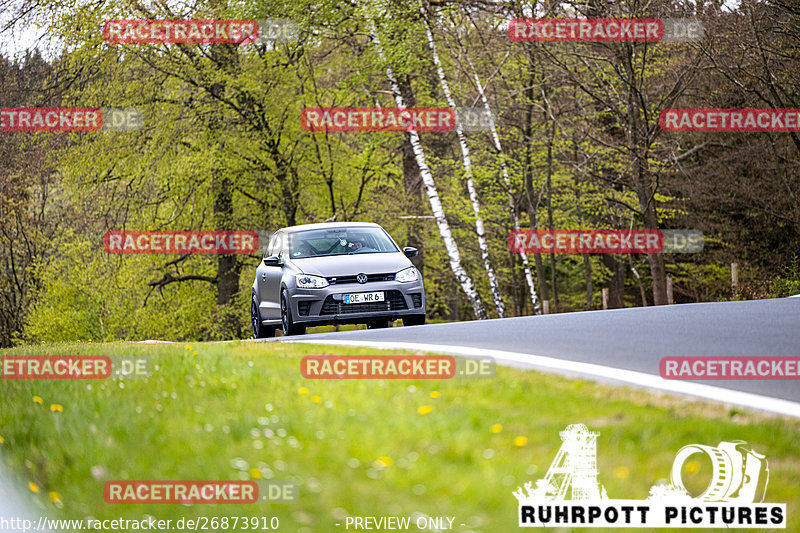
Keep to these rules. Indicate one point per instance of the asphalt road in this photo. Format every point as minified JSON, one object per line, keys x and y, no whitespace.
{"x":631,"y":339}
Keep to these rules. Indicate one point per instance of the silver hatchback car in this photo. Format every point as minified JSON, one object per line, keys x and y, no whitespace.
{"x":335,"y":273}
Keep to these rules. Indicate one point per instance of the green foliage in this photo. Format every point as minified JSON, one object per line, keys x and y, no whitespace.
{"x":788,"y":283}
{"x":223,"y":148}
{"x":106,"y":297}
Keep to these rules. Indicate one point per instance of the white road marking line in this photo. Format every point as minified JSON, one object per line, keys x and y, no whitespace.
{"x":574,"y":368}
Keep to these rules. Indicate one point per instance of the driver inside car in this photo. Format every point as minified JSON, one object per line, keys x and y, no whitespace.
{"x":355,"y":244}
{"x":304,"y":250}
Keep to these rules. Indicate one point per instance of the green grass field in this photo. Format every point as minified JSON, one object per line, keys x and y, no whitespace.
{"x":241,"y":410}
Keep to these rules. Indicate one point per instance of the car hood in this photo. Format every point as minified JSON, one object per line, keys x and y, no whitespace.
{"x":350,"y":265}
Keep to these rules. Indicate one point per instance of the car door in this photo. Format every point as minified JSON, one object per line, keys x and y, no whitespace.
{"x":261,"y":277}
{"x":270,"y":276}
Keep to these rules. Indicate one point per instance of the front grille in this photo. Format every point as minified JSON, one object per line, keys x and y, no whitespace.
{"x":338,"y":280}
{"x":416,"y":299}
{"x":394,"y":301}
{"x":304,"y":308}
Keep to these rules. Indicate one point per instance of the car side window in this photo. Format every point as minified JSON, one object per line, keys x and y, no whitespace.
{"x":271,"y":246}
{"x":281,"y":247}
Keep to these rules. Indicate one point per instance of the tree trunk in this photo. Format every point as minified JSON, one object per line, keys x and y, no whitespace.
{"x":616,"y":289}
{"x":528,"y":182}
{"x":507,"y":182}
{"x":228,"y":266}
{"x":553,"y":261}
{"x":645,"y":191}
{"x":587,"y":263}
{"x":473,"y":194}
{"x":433,"y":197}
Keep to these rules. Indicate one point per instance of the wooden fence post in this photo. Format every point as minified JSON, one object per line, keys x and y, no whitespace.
{"x":670,"y":300}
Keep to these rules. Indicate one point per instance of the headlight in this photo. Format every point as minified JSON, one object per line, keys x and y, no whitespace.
{"x":307,"y":281}
{"x":409,"y":274}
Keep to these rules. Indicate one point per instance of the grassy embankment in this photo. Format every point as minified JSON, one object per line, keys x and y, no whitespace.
{"x":242,"y":410}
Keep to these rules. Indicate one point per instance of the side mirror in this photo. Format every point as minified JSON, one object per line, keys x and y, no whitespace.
{"x":272,"y":260}
{"x":410,"y":252}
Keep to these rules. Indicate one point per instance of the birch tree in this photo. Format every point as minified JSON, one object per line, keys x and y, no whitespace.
{"x":473,"y":194}
{"x":507,"y":183}
{"x":433,"y":195}
{"x":505,"y":175}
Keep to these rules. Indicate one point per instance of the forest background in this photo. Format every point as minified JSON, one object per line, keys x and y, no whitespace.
{"x":575,"y":143}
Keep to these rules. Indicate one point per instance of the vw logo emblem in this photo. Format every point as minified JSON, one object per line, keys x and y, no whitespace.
{"x":361,"y":278}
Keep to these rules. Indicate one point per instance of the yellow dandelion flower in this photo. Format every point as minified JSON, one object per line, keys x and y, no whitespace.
{"x":384,"y":461}
{"x":303,"y":390}
{"x":194,"y":352}
{"x":37,"y":399}
{"x":497,"y":428}
{"x":621,"y":472}
{"x":692,"y":467}
{"x":56,"y":407}
{"x":520,"y":441}
{"x":425,"y":409}
{"x":2,"y":440}
{"x":435,"y":394}
{"x":316,"y":399}
{"x":33,"y":486}
{"x":55,"y":497}
{"x":255,"y":473}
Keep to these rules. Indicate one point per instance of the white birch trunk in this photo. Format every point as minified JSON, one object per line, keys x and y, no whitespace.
{"x":433,"y":197}
{"x":473,"y":194}
{"x":496,"y":138}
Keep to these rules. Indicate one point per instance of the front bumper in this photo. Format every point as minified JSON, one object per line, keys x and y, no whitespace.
{"x":326,"y":306}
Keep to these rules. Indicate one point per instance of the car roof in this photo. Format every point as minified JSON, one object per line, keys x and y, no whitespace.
{"x":329,"y":225}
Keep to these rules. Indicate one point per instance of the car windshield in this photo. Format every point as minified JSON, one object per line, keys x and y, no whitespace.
{"x":339,"y":241}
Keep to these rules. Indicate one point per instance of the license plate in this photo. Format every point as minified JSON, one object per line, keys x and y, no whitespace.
{"x":363,"y":297}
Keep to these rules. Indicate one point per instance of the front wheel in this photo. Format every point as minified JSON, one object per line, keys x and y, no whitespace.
{"x":287,"y":322}
{"x":414,"y":320}
{"x":260,"y":331}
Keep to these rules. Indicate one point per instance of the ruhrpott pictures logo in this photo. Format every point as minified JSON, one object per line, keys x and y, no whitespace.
{"x":570,"y":494}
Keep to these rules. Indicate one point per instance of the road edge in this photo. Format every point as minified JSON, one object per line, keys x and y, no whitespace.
{"x":591,"y":371}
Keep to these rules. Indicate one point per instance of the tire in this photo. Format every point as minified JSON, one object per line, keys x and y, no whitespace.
{"x":287,"y":322}
{"x":260,"y":331}
{"x":414,"y":320}
{"x":378,"y":324}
